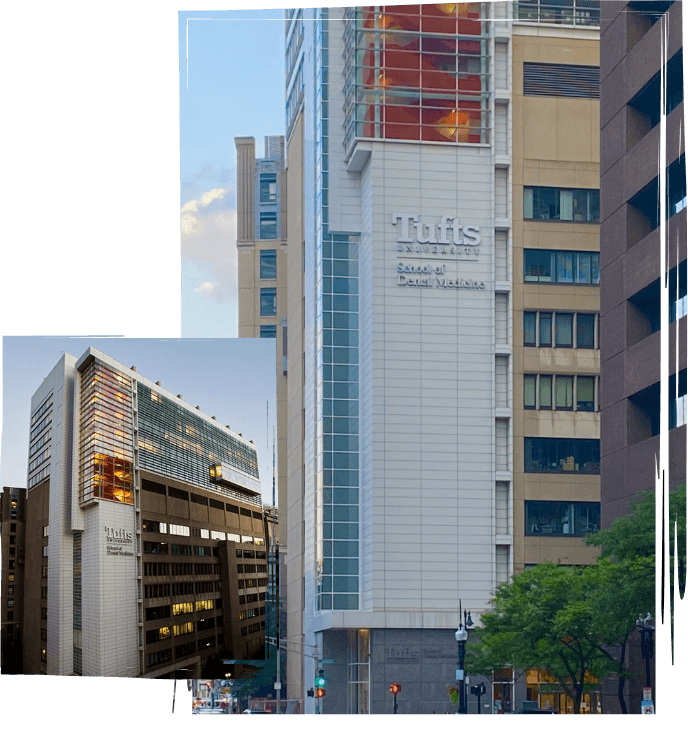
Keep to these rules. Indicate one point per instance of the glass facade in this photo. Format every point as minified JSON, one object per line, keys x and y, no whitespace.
{"x":106,"y":442}
{"x":337,"y":467}
{"x":177,"y":443}
{"x":417,"y":72}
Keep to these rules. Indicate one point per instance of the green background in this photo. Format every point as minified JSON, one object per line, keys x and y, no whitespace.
{"x":91,"y":247}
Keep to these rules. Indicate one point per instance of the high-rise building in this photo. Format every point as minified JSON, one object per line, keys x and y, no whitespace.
{"x":442,"y":297}
{"x":12,"y":533}
{"x":145,"y":542}
{"x":634,"y":35}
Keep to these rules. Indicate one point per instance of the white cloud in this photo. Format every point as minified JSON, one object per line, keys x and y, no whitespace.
{"x":208,"y":236}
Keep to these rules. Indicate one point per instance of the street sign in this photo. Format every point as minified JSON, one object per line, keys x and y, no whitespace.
{"x":647,"y":706}
{"x":459,"y":674}
{"x":647,"y":693}
{"x":278,"y":685}
{"x":327,"y":660}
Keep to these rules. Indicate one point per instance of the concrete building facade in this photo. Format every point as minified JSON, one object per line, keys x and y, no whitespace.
{"x":442,"y":297}
{"x":634,"y":37}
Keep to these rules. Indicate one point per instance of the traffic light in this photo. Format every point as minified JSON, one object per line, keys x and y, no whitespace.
{"x":319,"y":693}
{"x":320,"y":679}
{"x":310,"y":692}
{"x":395,"y":688}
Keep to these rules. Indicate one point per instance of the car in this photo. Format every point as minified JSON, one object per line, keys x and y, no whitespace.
{"x":537,"y":711}
{"x":254,"y":711}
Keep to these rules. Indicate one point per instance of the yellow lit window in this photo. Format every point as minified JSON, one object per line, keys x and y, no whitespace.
{"x":163,"y":633}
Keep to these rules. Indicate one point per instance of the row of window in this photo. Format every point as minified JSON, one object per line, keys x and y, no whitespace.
{"x":183,"y":588}
{"x":185,"y":649}
{"x":561,"y":267}
{"x":561,"y":455}
{"x":577,"y":205}
{"x":548,"y":391}
{"x":560,"y":330}
{"x":160,"y":527}
{"x":162,"y":569}
{"x":560,"y":518}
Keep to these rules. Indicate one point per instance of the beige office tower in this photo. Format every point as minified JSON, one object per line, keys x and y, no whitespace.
{"x":262,"y":271}
{"x":442,"y":296}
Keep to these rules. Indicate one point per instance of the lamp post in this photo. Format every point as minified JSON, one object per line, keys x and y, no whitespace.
{"x":461,"y":636}
{"x":646,"y":627}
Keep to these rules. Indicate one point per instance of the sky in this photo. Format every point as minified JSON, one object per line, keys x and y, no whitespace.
{"x":231,"y":84}
{"x":231,"y":379}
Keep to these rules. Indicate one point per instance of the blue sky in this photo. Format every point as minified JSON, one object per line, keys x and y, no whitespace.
{"x":232,"y":379}
{"x":231,"y":83}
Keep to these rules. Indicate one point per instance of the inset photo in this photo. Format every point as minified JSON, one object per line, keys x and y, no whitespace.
{"x":138,"y":506}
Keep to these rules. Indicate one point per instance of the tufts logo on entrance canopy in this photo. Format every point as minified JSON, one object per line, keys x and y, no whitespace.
{"x":448,"y":233}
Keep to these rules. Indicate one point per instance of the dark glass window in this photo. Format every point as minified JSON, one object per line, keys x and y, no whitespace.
{"x":585,"y":393}
{"x":561,"y":204}
{"x":558,"y":518}
{"x":543,"y":265}
{"x":268,"y":264}
{"x":555,"y":455}
{"x":157,"y":613}
{"x":545,"y":391}
{"x":585,"y":331}
{"x":268,"y":331}
{"x":268,"y":301}
{"x":268,"y":225}
{"x":564,"y":330}
{"x":529,"y":381}
{"x":529,"y":320}
{"x":268,"y":187}
{"x":564,"y":388}
{"x":546,"y":330}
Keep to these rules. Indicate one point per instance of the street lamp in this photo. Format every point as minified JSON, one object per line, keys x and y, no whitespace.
{"x":461,"y":636}
{"x":646,"y":627}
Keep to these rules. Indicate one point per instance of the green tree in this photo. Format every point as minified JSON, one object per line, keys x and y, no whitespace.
{"x":543,"y":619}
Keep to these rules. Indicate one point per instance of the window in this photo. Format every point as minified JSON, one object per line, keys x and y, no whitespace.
{"x":555,"y":455}
{"x":678,"y":300}
{"x":578,"y":205}
{"x":585,"y":393}
{"x":10,"y":590}
{"x":546,"y":330}
{"x":564,"y":392}
{"x":268,"y":264}
{"x":268,"y":301}
{"x":157,"y":613}
{"x":558,"y":518}
{"x":564,"y":330}
{"x":545,"y":392}
{"x":561,"y":12}
{"x":563,"y":386}
{"x":154,"y":526}
{"x":529,"y":326}
{"x":268,"y":188}
{"x":268,"y":225}
{"x":179,"y":530}
{"x":542,"y":265}
{"x":13,"y":527}
{"x":45,"y":551}
{"x":154,"y":547}
{"x":529,"y":383}
{"x":585,"y":330}
{"x":268,"y":331}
